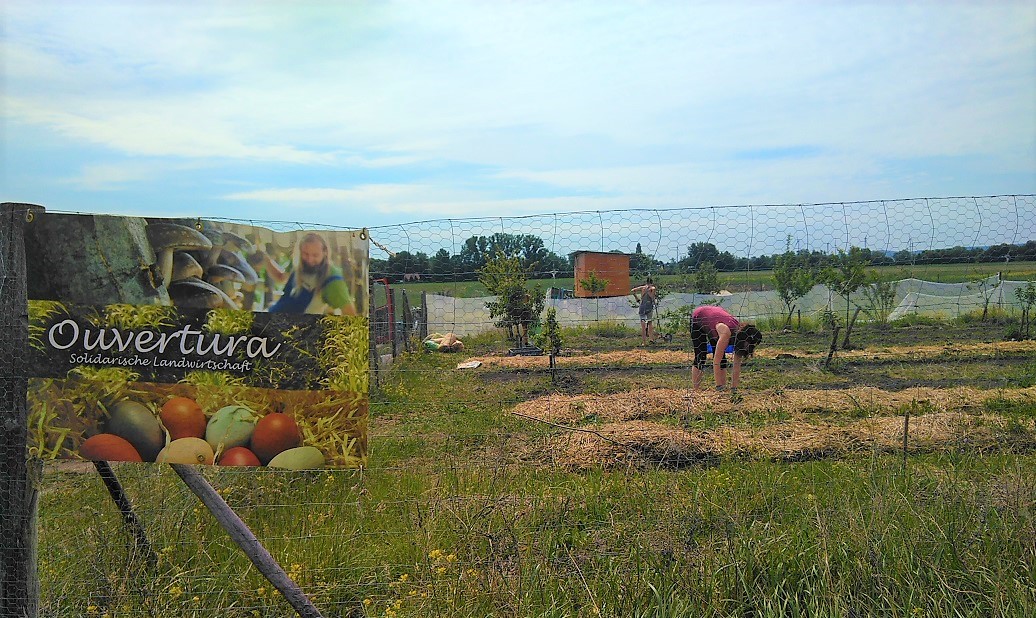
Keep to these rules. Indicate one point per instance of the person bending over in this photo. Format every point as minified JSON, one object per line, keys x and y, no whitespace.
{"x":715,"y":325}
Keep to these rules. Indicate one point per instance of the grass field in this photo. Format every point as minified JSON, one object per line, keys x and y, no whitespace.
{"x":606,"y":488}
{"x":755,"y":280}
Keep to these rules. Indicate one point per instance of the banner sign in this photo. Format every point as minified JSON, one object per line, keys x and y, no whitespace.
{"x":196,"y":341}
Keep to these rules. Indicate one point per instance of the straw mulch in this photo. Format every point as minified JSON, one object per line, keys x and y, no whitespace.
{"x":617,"y":430}
{"x":665,"y":402}
{"x":626,"y":406}
{"x":647,"y":444}
{"x":641,"y":356}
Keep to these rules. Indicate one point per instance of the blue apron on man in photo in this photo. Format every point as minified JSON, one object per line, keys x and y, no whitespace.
{"x":298,"y":303}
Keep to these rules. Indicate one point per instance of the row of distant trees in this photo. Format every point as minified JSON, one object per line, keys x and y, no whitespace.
{"x":541,"y":263}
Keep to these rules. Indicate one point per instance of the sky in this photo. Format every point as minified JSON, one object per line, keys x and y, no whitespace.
{"x":366,"y":114}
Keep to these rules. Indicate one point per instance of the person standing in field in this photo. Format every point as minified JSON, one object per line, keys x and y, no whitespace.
{"x":646,"y":295}
{"x":715,"y":325}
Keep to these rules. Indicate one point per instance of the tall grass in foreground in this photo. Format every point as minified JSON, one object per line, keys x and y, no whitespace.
{"x":461,"y":514}
{"x":950,"y":536}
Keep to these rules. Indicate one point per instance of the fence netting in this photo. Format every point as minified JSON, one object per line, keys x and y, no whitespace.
{"x":922,"y":238}
{"x":889,"y":470}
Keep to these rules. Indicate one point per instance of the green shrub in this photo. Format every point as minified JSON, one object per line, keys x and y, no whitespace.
{"x":607,"y":328}
{"x":550,"y":338}
{"x":675,"y":322}
{"x":994,"y":315}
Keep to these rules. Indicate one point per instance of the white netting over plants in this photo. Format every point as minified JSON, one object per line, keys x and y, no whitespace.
{"x":470,"y":316}
{"x":462,"y":316}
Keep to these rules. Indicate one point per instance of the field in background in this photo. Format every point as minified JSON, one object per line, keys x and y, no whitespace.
{"x":601,"y":489}
{"x":753,"y":280}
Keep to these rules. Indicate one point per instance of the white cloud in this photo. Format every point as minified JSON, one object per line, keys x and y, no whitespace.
{"x":104,"y":177}
{"x":421,"y":200}
{"x":152,"y":132}
{"x":642,"y":102}
{"x":297,"y":195}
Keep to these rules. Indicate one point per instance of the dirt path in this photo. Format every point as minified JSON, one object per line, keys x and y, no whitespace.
{"x":640,"y":356}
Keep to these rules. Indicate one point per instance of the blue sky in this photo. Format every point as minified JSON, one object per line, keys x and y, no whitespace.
{"x":357,"y":114}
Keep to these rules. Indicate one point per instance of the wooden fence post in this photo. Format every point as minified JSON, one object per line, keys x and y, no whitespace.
{"x":408,"y":322}
{"x":393,"y":331}
{"x":19,"y":477}
{"x":423,"y":328}
{"x":373,"y":343}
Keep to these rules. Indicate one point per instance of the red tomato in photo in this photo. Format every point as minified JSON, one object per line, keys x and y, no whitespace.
{"x":274,"y":433}
{"x":239,"y":456}
{"x":108,"y":447}
{"x":183,"y":418}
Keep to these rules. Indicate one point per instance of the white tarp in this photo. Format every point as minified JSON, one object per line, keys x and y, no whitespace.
{"x":469,"y":316}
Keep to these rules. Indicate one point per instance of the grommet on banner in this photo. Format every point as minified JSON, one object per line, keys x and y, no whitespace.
{"x":29,"y":216}
{"x":363,"y":234}
{"x":197,"y":225}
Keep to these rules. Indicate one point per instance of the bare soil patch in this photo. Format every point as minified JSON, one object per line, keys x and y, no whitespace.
{"x":642,"y":356}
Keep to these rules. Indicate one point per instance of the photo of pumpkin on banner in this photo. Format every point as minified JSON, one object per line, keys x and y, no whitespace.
{"x":175,"y":341}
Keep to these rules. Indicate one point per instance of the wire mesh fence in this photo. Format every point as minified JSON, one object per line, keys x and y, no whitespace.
{"x":895,"y":479}
{"x":949,"y":256}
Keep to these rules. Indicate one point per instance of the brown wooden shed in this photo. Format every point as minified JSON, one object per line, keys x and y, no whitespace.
{"x":615,"y":267}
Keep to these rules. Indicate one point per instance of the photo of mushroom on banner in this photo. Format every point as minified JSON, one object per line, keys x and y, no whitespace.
{"x":197,"y":341}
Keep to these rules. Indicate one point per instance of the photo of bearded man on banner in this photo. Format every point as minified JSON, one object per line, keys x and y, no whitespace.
{"x":313,"y":282}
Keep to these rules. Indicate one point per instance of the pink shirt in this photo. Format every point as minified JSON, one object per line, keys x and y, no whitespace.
{"x":711,"y":315}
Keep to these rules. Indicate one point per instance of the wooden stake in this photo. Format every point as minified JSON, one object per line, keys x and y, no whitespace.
{"x":129,"y":518}
{"x":906,"y":437}
{"x":246,"y":540}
